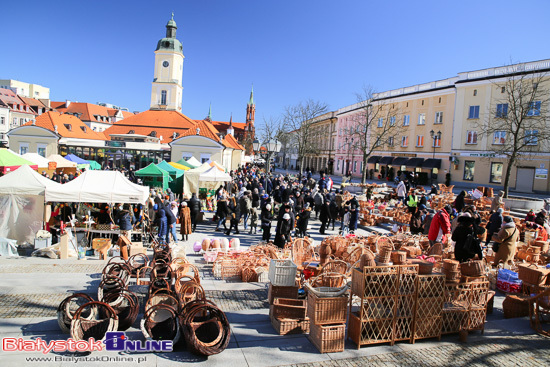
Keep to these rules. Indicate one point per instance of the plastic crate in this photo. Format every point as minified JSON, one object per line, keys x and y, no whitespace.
{"x":282,"y":272}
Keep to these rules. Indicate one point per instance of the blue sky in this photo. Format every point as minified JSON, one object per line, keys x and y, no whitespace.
{"x":292,"y":50}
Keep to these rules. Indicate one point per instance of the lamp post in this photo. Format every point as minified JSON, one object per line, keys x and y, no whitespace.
{"x":272,"y":146}
{"x":435,"y":137}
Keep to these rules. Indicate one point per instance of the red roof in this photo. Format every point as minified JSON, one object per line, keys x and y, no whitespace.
{"x":223,"y":125}
{"x":68,"y":126}
{"x":206,"y":129}
{"x":230,"y":142}
{"x":14,"y":101}
{"x":163,"y":123}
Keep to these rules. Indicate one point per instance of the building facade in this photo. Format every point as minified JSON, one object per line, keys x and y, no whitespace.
{"x":323,"y":131}
{"x":26,"y":89}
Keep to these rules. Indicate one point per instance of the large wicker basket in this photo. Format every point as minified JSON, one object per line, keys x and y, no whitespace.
{"x":282,"y":272}
{"x":473,"y":268}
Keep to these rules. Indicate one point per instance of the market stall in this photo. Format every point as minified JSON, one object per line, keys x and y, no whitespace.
{"x":80,"y":163}
{"x":176,"y":174}
{"x":184,"y":163}
{"x":35,"y":158}
{"x":10,"y":161}
{"x":191,"y":179}
{"x":217,"y":165}
{"x":22,"y":195}
{"x":154,"y":176}
{"x":179,"y":166}
{"x":194,"y":162}
{"x":62,"y":164}
{"x":94,"y":165}
{"x":99,"y":187}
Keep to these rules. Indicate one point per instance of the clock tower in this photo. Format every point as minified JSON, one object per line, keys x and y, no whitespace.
{"x":167,"y":91}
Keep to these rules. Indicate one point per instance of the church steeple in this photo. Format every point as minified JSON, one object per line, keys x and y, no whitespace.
{"x":209,"y":117}
{"x":167,"y":89}
{"x":230,"y":130}
{"x":250,"y":114}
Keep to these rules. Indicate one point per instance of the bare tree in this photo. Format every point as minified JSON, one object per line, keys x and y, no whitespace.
{"x":270,"y":130}
{"x":298,"y":121}
{"x":375,"y":125}
{"x":516,"y":125}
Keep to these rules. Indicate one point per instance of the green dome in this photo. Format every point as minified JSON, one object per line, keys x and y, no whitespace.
{"x":169,"y":44}
{"x":171,"y":23}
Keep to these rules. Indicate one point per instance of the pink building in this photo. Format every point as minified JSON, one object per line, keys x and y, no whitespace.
{"x":348,"y":157}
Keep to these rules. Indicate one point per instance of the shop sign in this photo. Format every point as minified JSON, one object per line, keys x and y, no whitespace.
{"x":52,"y":165}
{"x":481,"y":155}
{"x":541,"y":174}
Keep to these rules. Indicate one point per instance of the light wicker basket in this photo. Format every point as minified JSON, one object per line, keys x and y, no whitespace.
{"x":328,"y":338}
{"x":282,"y":272}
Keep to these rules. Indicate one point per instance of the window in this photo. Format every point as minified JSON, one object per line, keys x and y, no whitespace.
{"x":390,"y":141}
{"x":205,"y":157}
{"x":421,"y":118}
{"x":496,"y":173}
{"x":534,"y":109}
{"x":475,"y":92}
{"x":405,"y":141}
{"x":474,"y":112}
{"x":419,"y":141}
{"x":21,"y":121}
{"x":436,"y":142}
{"x":469,"y":167}
{"x":471,"y":137}
{"x":499,"y":137}
{"x":2,"y":122}
{"x":503,"y":90}
{"x":422,"y":102}
{"x":531,"y":137}
{"x":68,"y":126}
{"x":163,"y":98}
{"x":41,"y":149}
{"x":392,"y":121}
{"x":502,"y":110}
{"x":380,"y":122}
{"x":355,"y":166}
{"x":14,"y":121}
{"x":338,"y":165}
{"x":439,"y":99}
{"x":438,"y":118}
{"x":186,"y":155}
{"x":23,"y":148}
{"x":406,"y":119}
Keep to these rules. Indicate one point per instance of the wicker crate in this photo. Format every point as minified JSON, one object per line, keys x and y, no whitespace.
{"x":287,"y":308}
{"x":533,"y":274}
{"x":431,"y":286}
{"x":282,"y":272}
{"x":428,"y":327}
{"x":328,"y":338}
{"x":330,"y":310}
{"x":455,"y":318}
{"x":290,"y":326}
{"x":275,"y":291}
{"x":515,"y":306}
{"x":403,"y":329}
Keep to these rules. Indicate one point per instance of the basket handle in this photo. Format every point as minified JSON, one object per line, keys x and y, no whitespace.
{"x":160,"y":306}
{"x":98,"y":303}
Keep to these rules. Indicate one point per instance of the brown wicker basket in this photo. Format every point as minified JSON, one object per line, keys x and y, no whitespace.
{"x":329,"y":310}
{"x":424,"y":267}
{"x":533,"y":274}
{"x":287,"y":308}
{"x":515,"y":306}
{"x":450,"y":265}
{"x":399,"y":257}
{"x":473,"y":268}
{"x":328,"y":338}
{"x":276,"y":291}
{"x":452,"y":276}
{"x":290,"y":326}
{"x":384,"y":254}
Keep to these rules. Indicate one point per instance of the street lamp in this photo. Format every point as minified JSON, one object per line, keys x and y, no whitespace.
{"x":256,"y":145}
{"x":434,"y":137}
{"x":272,"y":146}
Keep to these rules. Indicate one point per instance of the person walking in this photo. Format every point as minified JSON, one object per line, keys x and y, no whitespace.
{"x":401,"y":191}
{"x":467,"y":244}
{"x":194,"y":206}
{"x":495,"y":222}
{"x":161,"y":220}
{"x":186,"y":221}
{"x":265,"y":218}
{"x":303,"y":221}
{"x":324,"y":216}
{"x":234,"y":209}
{"x":507,"y":239}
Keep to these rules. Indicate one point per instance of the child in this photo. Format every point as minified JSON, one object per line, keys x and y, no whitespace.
{"x":253,"y":221}
{"x":345,"y":222}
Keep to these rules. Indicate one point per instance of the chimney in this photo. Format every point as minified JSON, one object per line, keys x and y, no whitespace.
{"x":198,"y":131}
{"x":67,"y":103}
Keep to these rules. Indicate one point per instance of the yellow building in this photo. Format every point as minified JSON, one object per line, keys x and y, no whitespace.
{"x":482,"y":101}
{"x":323,"y":130}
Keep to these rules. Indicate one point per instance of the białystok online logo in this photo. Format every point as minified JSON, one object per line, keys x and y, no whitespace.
{"x":114,"y":341}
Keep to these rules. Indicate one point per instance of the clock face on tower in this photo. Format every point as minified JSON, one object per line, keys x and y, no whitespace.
{"x":165,"y":64}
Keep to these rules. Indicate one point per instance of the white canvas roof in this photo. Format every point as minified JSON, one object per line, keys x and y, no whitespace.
{"x":191,"y":179}
{"x":26,"y":181}
{"x":214,"y":175}
{"x":37,"y":159}
{"x":194,"y":161}
{"x":99,"y":187}
{"x":61,"y":162}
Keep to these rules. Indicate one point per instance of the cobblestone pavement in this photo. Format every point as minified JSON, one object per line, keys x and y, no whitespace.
{"x":51,"y":268}
{"x":526,"y":350}
{"x":45,"y":305}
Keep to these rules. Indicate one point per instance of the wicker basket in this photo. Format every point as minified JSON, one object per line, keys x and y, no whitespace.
{"x":473,"y":268}
{"x":328,"y":338}
{"x":275,"y":291}
{"x":399,"y":257}
{"x":515,"y":305}
{"x":384,"y":254}
{"x":287,"y":308}
{"x":533,"y":274}
{"x":450,"y":265}
{"x":328,"y":310}
{"x":290,"y":326}
{"x":452,"y":276}
{"x":424,"y":267}
{"x":282,"y":272}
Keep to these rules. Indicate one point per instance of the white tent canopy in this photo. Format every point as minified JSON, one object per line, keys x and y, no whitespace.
{"x":194,"y":161}
{"x":214,"y":175}
{"x":191,"y":179}
{"x":61,"y":162}
{"x":22,"y":203}
{"x":99,"y":187}
{"x":37,"y":159}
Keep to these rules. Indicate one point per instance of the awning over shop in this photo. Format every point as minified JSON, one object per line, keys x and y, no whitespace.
{"x":400,"y":161}
{"x":374,"y":159}
{"x":386,"y":160}
{"x":414,"y":162}
{"x":432,"y":163}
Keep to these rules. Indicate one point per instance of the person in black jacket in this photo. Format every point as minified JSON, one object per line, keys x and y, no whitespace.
{"x":194,"y":205}
{"x":495,"y":222}
{"x":459,"y":201}
{"x":324,"y":216}
{"x":235,"y":210}
{"x":265,"y":218}
{"x":284,"y":226}
{"x":333,"y":213}
{"x":303,"y":221}
{"x":125,"y":218}
{"x":467,"y":227}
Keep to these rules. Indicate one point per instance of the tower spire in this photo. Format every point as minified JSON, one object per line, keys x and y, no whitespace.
{"x":251,"y":101}
{"x":231,"y":120}
{"x":209,"y":117}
